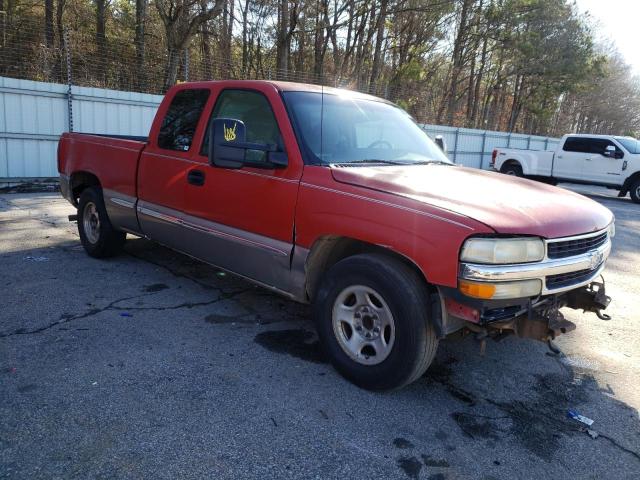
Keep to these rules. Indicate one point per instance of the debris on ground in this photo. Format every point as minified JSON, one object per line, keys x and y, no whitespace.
{"x":126,"y":314}
{"x":592,"y":433}
{"x":581,"y":418}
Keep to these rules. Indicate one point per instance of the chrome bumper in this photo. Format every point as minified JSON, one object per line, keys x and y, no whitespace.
{"x":592,"y":261}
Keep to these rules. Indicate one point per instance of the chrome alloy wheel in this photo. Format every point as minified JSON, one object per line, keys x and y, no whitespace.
{"x":91,"y":222}
{"x":363,"y":325}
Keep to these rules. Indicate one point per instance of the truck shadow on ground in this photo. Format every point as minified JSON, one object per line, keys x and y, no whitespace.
{"x":530,"y":406}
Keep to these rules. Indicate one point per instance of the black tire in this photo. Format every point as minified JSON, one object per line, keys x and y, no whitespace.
{"x":104,"y":241}
{"x":512,"y":169}
{"x":634,"y":190}
{"x":407,"y":297}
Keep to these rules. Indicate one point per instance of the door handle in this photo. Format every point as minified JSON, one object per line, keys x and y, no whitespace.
{"x":195,"y":177}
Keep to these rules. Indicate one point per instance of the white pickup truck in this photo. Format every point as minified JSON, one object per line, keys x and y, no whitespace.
{"x":606,"y":160}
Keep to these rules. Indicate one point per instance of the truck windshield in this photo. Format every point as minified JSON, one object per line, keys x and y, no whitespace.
{"x":631,"y":144}
{"x":346,"y":129}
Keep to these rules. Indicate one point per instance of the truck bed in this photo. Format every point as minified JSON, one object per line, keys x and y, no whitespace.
{"x":533,"y":162}
{"x":111,"y":158}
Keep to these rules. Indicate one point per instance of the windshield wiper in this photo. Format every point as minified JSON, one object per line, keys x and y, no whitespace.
{"x":436,"y":162}
{"x":372,"y":160}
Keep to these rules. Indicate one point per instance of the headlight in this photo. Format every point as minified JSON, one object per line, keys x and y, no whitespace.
{"x":502,"y":250}
{"x":612,"y":229}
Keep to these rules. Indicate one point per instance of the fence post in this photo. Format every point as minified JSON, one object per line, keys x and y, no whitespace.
{"x":509,"y":140}
{"x":529,"y":142}
{"x":484,"y":144}
{"x":546,"y":143}
{"x":67,"y":50}
{"x":455,"y":145}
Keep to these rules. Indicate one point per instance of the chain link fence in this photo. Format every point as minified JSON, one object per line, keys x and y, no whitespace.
{"x":105,"y":89}
{"x":80,"y":58}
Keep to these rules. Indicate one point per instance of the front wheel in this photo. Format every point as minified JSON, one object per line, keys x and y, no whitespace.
{"x":372,"y":314}
{"x":634,"y":191}
{"x":98,"y":237}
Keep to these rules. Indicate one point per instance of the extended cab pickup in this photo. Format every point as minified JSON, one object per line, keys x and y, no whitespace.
{"x":339,"y":199}
{"x":605,"y":160}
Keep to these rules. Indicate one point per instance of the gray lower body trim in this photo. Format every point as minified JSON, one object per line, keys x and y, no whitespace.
{"x":65,"y":189}
{"x":264,"y":260}
{"x":121,"y":209}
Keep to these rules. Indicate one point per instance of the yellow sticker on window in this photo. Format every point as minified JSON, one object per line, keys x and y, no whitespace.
{"x":229,"y":133}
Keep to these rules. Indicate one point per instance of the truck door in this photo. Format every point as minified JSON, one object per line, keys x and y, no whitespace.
{"x":243,"y":219}
{"x":165,"y":163}
{"x":569,"y":161}
{"x":599,"y":168}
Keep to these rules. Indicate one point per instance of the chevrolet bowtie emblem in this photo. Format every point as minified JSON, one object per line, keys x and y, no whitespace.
{"x":595,"y":259}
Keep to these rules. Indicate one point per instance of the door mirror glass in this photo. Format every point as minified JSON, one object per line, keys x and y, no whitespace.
{"x":611,"y":151}
{"x":228,"y":148}
{"x":442,"y":143}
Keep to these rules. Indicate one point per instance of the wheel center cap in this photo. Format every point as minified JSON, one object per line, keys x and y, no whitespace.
{"x":367,"y":322}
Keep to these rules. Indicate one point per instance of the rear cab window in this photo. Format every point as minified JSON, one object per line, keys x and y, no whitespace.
{"x":577,"y":144}
{"x":181,"y":120}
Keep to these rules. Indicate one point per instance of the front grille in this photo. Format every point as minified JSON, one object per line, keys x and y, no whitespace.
{"x":567,"y":279}
{"x":569,"y":248}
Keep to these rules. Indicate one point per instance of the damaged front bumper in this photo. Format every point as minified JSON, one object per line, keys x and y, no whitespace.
{"x":568,"y":277}
{"x":538,"y":318}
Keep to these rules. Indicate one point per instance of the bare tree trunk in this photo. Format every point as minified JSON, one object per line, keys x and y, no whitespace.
{"x":245,"y":31}
{"x":458,"y":49}
{"x":479,"y":77}
{"x":282,"y":53}
{"x":173,"y":63}
{"x":48,"y":23}
{"x":377,"y":55}
{"x":206,"y":55}
{"x":141,"y":14}
{"x":101,"y":39}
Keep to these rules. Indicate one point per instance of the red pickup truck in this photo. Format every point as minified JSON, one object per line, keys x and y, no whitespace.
{"x":339,"y":199}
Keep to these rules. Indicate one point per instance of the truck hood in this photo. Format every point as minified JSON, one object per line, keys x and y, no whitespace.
{"x":507,"y":204}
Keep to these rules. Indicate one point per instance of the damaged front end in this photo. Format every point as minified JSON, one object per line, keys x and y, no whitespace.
{"x":538,"y":319}
{"x":569,"y":275}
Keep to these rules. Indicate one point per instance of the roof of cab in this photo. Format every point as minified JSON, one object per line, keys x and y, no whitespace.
{"x":294,"y":87}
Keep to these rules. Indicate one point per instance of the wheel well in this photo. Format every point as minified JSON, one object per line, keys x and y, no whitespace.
{"x":80,"y":181}
{"x":329,"y":250}
{"x":509,"y":163}
{"x":628,"y":182}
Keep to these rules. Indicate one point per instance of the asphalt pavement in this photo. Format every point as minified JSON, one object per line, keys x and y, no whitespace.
{"x":153,"y":365}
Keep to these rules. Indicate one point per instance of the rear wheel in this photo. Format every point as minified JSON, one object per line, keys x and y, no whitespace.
{"x":98,"y":237}
{"x":634,"y":191}
{"x":372,"y":317}
{"x":513,"y":169}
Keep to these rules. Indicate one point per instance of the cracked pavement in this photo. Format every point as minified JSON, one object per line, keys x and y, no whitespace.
{"x":154,"y":365}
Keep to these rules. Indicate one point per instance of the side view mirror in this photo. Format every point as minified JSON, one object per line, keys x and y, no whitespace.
{"x":612,"y":152}
{"x":441,"y":142}
{"x":228,"y":147}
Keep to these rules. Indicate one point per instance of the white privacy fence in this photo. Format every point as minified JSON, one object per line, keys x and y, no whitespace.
{"x":473,"y":148}
{"x":34,"y":114}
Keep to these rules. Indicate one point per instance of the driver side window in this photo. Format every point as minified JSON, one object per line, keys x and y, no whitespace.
{"x":254,"y":110}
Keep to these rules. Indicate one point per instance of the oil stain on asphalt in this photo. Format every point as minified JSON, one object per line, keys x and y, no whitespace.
{"x":298,"y":343}
{"x":156,"y":287}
